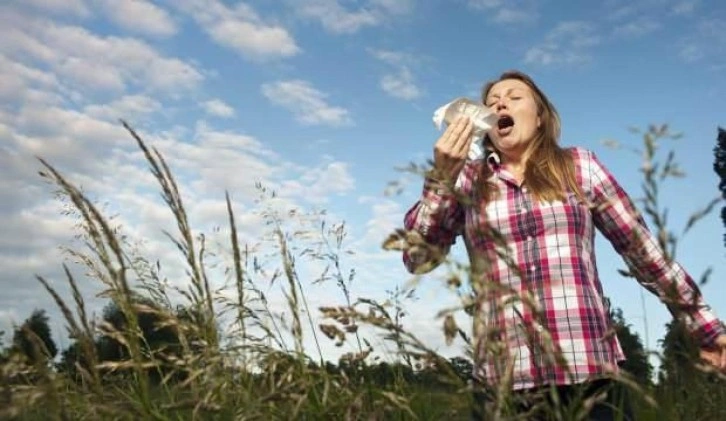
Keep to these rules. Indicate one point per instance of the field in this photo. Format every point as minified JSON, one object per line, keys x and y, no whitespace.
{"x":185,"y":351}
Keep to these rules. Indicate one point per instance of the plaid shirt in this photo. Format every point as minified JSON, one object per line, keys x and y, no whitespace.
{"x":551,"y":247}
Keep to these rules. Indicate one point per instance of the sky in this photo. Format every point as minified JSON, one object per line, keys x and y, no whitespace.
{"x":324,"y":102}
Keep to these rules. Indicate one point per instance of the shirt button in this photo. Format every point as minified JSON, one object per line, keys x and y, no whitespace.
{"x":533,"y":268}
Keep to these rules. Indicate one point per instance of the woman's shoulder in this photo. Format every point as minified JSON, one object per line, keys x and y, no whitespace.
{"x":580,"y":153}
{"x":584,"y":160}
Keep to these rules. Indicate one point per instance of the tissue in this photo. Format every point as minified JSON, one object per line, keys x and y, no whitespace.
{"x":482,"y":117}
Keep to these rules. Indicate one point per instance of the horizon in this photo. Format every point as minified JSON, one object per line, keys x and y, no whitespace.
{"x":323,"y":101}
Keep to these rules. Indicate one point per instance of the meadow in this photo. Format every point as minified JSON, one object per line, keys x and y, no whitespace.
{"x":185,"y":350}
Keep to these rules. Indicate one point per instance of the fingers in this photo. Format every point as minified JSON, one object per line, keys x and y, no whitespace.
{"x":461,"y":147}
{"x":716,"y":357}
{"x":452,"y":147}
{"x":456,"y":138}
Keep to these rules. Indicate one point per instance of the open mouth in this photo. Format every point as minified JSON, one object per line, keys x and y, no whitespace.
{"x":505,"y":122}
{"x":504,"y":125}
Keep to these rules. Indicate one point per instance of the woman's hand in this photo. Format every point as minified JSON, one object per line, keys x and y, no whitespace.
{"x":715,"y":355}
{"x":452,"y":148}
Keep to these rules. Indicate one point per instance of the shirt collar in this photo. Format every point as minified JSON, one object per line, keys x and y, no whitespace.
{"x":493,"y":158}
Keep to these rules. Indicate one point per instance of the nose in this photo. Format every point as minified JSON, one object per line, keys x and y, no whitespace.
{"x":501,"y":104}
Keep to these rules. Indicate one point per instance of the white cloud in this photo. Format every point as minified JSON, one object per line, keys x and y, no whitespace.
{"x":577,"y":33}
{"x":686,"y":7}
{"x":484,"y":4}
{"x":707,"y":41}
{"x":335,"y":18}
{"x":638,"y":27}
{"x":128,"y":107}
{"x":338,"y":19}
{"x":397,"y":7}
{"x":91,"y":61}
{"x":621,"y":12}
{"x":387,"y":216}
{"x":317,"y":184}
{"x":394,"y":58}
{"x":218,"y":108}
{"x":308,"y":105}
{"x":20,"y":81}
{"x":241,"y":29}
{"x":568,"y":43}
{"x":73,"y":7}
{"x":141,"y":16}
{"x":63,"y":135}
{"x":504,"y":13}
{"x":400,"y":85}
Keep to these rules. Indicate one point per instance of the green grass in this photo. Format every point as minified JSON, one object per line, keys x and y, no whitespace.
{"x":190,"y":352}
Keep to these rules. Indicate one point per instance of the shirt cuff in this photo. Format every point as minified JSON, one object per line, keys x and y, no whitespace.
{"x":708,"y":333}
{"x":433,"y":188}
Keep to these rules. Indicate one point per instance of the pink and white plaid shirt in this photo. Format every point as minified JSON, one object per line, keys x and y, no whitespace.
{"x":552,"y":247}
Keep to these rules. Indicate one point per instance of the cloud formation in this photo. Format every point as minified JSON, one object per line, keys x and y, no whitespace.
{"x":568,"y":43}
{"x":218,"y":108}
{"x":90,"y":61}
{"x":241,"y":29}
{"x":139,"y":16}
{"x":400,"y":83}
{"x":339,"y":19}
{"x":308,"y":104}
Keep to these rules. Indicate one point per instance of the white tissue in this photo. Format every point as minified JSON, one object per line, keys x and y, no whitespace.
{"x":481,"y":116}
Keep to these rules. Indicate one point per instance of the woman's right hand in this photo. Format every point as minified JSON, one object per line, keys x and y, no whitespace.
{"x":452,"y":148}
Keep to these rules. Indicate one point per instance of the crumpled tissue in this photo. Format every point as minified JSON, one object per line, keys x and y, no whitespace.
{"x":481,"y":116}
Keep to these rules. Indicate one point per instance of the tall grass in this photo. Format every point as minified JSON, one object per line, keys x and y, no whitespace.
{"x":234,"y":357}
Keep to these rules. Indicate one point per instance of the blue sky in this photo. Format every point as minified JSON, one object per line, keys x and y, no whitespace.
{"x":322,"y":100}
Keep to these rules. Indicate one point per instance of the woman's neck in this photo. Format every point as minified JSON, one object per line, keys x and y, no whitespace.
{"x":516,"y":165}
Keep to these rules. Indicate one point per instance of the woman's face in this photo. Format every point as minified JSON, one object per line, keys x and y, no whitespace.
{"x":513,"y":101}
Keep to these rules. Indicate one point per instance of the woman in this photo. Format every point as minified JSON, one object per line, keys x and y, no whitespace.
{"x":527,"y":213}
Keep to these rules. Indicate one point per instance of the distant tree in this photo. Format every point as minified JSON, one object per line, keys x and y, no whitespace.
{"x":679,"y":354}
{"x":3,"y":351}
{"x":155,"y":336}
{"x":158,"y":340}
{"x":23,"y":342}
{"x":636,"y":358}
{"x":463,"y":367}
{"x":382,"y":374}
{"x":719,"y":166}
{"x":69,"y":358}
{"x":685,"y":391}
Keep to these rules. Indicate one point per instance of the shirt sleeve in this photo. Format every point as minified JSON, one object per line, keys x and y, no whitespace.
{"x":617,"y":218}
{"x":436,"y":219}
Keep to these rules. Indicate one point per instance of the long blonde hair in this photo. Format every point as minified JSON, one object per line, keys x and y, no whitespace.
{"x":550,"y":169}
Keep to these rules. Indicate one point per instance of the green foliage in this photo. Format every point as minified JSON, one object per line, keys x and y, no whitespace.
{"x":209,"y":356}
{"x":33,"y":339}
{"x":719,"y":166}
{"x":636,"y":357}
{"x":685,"y":389}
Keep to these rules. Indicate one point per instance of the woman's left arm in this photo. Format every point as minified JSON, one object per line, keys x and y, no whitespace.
{"x":617,"y":218}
